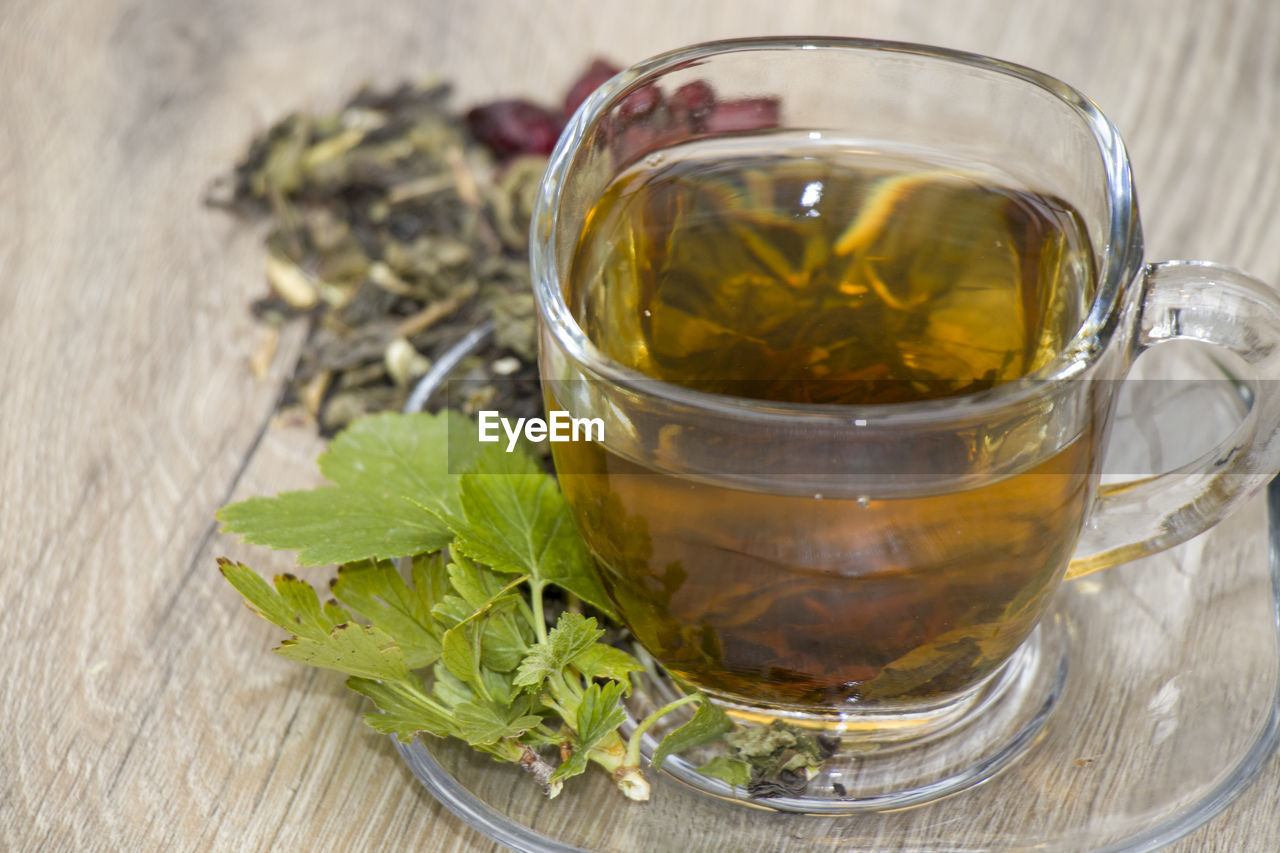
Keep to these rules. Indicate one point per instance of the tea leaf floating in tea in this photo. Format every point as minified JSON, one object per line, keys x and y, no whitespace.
{"x":461,"y":648}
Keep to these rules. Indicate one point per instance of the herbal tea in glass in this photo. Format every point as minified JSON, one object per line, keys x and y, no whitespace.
{"x":790,"y":271}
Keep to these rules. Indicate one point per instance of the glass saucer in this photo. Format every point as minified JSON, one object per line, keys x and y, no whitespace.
{"x":1169,"y":710}
{"x":1166,"y":708}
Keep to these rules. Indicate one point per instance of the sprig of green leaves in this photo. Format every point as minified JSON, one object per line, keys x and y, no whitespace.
{"x":459,"y":648}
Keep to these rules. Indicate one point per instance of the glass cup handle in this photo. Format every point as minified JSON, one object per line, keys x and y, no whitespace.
{"x":1207,"y":302}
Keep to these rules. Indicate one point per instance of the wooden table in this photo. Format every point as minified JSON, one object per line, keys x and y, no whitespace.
{"x":140,"y":708}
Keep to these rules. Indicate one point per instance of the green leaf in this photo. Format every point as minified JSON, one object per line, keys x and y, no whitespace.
{"x":387,"y":468}
{"x":708,"y":724}
{"x":735,"y":771}
{"x":574,"y":765}
{"x":599,"y":715}
{"x":602,"y":661}
{"x":293,"y":604}
{"x":514,"y":519}
{"x":377,"y":592}
{"x":365,"y":651}
{"x":405,"y":711}
{"x":458,"y":652}
{"x":481,"y":722}
{"x":505,"y":638}
{"x":499,"y":686}
{"x":571,"y":636}
{"x":448,"y":688}
{"x":409,"y":456}
{"x":475,"y":587}
{"x":430,"y":578}
{"x":451,"y":610}
{"x":333,"y":524}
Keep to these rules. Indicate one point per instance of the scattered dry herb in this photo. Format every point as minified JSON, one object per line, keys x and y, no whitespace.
{"x":397,"y":233}
{"x":776,"y":760}
{"x":399,"y":226}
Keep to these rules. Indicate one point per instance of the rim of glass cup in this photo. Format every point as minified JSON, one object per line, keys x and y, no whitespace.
{"x":1118,"y":259}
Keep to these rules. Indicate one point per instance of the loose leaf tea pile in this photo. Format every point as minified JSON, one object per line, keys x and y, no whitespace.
{"x":399,"y":226}
{"x":398,"y":233}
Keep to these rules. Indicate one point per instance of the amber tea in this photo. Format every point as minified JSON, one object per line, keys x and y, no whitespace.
{"x":828,"y":274}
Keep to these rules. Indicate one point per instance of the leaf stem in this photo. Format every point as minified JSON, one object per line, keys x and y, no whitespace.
{"x":479,"y":682}
{"x":633,"y":745}
{"x":612,"y":755}
{"x":539,"y":620}
{"x":493,"y":599}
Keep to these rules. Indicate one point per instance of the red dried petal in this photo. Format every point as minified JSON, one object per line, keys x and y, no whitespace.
{"x":593,"y":78}
{"x":629,"y":144}
{"x":742,"y":115}
{"x":640,"y":103}
{"x":509,"y":128}
{"x":692,"y":103}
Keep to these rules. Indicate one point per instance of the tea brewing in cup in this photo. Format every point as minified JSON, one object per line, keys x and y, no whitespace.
{"x":853,"y":315}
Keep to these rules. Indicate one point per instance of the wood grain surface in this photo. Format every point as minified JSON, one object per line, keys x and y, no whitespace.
{"x":139,"y":708}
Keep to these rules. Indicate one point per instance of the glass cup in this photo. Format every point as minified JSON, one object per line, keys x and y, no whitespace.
{"x":877,"y":570}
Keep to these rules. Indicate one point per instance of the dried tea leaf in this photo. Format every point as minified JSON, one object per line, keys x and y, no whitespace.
{"x":291,"y":284}
{"x":388,"y":224}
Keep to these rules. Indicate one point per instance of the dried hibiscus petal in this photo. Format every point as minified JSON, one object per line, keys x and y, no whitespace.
{"x":593,"y":78}
{"x":629,"y":144}
{"x":509,"y":128}
{"x":640,"y":103}
{"x":743,"y":114}
{"x":692,"y":103}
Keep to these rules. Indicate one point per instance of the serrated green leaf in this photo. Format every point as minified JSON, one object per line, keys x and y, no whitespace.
{"x":401,"y":455}
{"x":292,"y":604}
{"x":377,"y":592}
{"x":481,"y":722}
{"x":430,"y":577}
{"x":405,"y":711}
{"x":708,"y":724}
{"x":499,"y":686}
{"x":458,"y":652}
{"x":448,"y":688}
{"x":572,"y":635}
{"x":598,"y":718}
{"x":475,"y":587}
{"x":514,"y":519}
{"x":386,"y":468}
{"x":601,"y":661}
{"x":600,"y":713}
{"x":360,"y":650}
{"x":451,"y":610}
{"x":574,"y":765}
{"x":505,"y":638}
{"x":333,"y":524}
{"x":732,"y":770}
